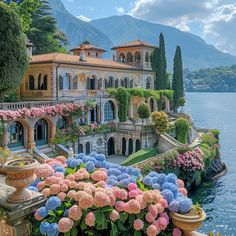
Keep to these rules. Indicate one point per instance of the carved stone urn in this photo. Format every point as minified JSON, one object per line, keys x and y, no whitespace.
{"x":20,"y":173}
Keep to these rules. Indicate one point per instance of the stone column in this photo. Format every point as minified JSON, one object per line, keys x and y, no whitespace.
{"x":52,"y":133}
{"x":127,"y":147}
{"x":5,"y":136}
{"x":167,"y":104}
{"x":31,"y":141}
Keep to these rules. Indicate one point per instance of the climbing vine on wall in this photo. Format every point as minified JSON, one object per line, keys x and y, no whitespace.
{"x":182,"y":128}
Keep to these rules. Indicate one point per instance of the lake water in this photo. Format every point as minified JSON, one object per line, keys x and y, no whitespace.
{"x":218,"y":198}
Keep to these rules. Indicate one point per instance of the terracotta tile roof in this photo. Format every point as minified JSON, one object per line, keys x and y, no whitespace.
{"x":87,"y":47}
{"x":135,"y":43}
{"x":74,"y":59}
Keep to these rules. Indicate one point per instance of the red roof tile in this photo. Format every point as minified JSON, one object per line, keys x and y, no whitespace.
{"x":135,"y":43}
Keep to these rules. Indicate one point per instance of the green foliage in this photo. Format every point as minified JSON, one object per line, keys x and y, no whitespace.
{"x":160,"y":120}
{"x":218,"y":79}
{"x":12,"y":96}
{"x":216,"y":133}
{"x":13,"y":57}
{"x":143,"y":111}
{"x":184,"y":148}
{"x":209,"y":139}
{"x":181,"y":101}
{"x":177,"y":83}
{"x":182,"y":128}
{"x":139,"y":156}
{"x":44,"y":33}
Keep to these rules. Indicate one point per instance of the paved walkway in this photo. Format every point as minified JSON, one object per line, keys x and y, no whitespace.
{"x":116,"y":159}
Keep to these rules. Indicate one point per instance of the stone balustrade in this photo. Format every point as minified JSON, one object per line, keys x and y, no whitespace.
{"x":82,"y":94}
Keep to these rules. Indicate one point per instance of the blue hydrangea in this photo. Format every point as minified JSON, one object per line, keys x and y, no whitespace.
{"x":185,"y":204}
{"x":93,"y":154}
{"x":168,"y":195}
{"x":124,"y":182}
{"x":112,"y":182}
{"x":60,"y":168}
{"x":114,"y":171}
{"x":135,"y":172}
{"x":53,"y":203}
{"x":156,"y":186}
{"x":132,"y":179}
{"x":113,"y":177}
{"x":53,"y":230}
{"x":171,"y":177}
{"x":180,"y":195}
{"x":153,"y":174}
{"x":66,"y":212}
{"x":92,"y":159}
{"x":85,"y":158}
{"x":161,"y":179}
{"x":123,"y":169}
{"x":105,"y":164}
{"x":98,"y":164}
{"x":122,"y":176}
{"x":44,"y":226}
{"x":80,"y":156}
{"x":147,"y":180}
{"x":32,"y":188}
{"x":35,"y":182}
{"x":174,"y":206}
{"x":173,"y":188}
{"x":100,"y":157}
{"x":42,"y":211}
{"x":72,"y":162}
{"x":89,"y":166}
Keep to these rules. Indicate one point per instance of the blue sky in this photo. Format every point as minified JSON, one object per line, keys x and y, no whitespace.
{"x":213,"y":20}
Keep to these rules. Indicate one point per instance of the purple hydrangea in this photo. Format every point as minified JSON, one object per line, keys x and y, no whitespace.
{"x":172,"y":178}
{"x":185,"y":204}
{"x":53,"y":230}
{"x":174,"y":206}
{"x":43,"y":212}
{"x":147,"y":180}
{"x":53,"y":203}
{"x":168,"y":195}
{"x":89,"y":166}
{"x":44,"y":226}
{"x":173,"y":188}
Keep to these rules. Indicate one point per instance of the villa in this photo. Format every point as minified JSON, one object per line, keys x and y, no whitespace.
{"x":58,"y":78}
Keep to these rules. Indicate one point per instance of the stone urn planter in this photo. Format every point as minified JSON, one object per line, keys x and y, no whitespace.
{"x":190,"y":221}
{"x":20,"y":173}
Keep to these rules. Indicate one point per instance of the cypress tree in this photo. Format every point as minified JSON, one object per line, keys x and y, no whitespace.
{"x":177,"y":83}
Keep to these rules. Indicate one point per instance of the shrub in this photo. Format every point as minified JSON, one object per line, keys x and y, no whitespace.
{"x":182,"y":128}
{"x":181,"y":101}
{"x":139,"y":156}
{"x":209,"y":139}
{"x":13,"y":59}
{"x":143,"y":111}
{"x":160,"y":120}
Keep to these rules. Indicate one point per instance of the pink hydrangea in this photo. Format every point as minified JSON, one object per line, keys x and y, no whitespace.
{"x":183,"y":191}
{"x":101,"y":183}
{"x":55,"y":189}
{"x":132,"y":186}
{"x":73,"y":184}
{"x":37,"y":216}
{"x":44,"y":170}
{"x":61,"y":159}
{"x":120,"y":206}
{"x":71,"y":194}
{"x":133,"y":194}
{"x":152,"y":230}
{"x":162,"y":223}
{"x":122,"y":194}
{"x":86,"y":201}
{"x":180,"y":183}
{"x":141,"y":201}
{"x":99,"y":175}
{"x":101,"y":199}
{"x":90,"y":219}
{"x":164,"y":203}
{"x":177,"y":232}
{"x":65,"y":225}
{"x":165,"y":215}
{"x":75,"y":213}
{"x":41,"y":185}
{"x":64,"y":188}
{"x":153,"y":210}
{"x":148,"y":196}
{"x":59,"y":174}
{"x":159,"y":207}
{"x":62,"y":196}
{"x":52,"y":180}
{"x":81,"y":185}
{"x":138,"y":224}
{"x":70,"y":177}
{"x":46,"y":192}
{"x":149,"y":217}
{"x":114,"y":215}
{"x":156,"y":196}
{"x":78,"y":176}
{"x":132,"y":207}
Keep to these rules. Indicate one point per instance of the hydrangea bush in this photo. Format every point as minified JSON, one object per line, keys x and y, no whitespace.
{"x":87,"y":195}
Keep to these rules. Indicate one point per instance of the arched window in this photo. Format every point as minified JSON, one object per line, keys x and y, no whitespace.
{"x":80,"y":148}
{"x":137,"y":145}
{"x":122,"y":58}
{"x":129,"y":57}
{"x":91,"y":83}
{"x":61,"y":83}
{"x":116,"y":83}
{"x":106,"y":83}
{"x":126,"y":82}
{"x":131,"y":148}
{"x":67,"y":82}
{"x":87,"y":148}
{"x":16,"y":135}
{"x":137,"y":57}
{"x":122,"y":83}
{"x":111,"y":147}
{"x":100,"y":84}
{"x":148,"y":83}
{"x":123,"y":146}
{"x":131,"y":83}
{"x":75,"y":83}
{"x":147,"y":57}
{"x":109,"y":111}
{"x":31,"y":82}
{"x":151,"y":104}
{"x":62,"y":123}
{"x":42,"y":82}
{"x":110,"y":83}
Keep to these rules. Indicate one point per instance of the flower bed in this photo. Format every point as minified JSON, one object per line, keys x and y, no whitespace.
{"x":89,"y":196}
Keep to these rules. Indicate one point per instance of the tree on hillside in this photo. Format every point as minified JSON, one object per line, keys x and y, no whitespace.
{"x":177,"y":83}
{"x":158,"y":61}
{"x":44,"y":33}
{"x":13,"y":56}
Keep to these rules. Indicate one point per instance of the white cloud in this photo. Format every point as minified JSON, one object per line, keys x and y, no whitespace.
{"x":84,"y":18}
{"x":120,"y":10}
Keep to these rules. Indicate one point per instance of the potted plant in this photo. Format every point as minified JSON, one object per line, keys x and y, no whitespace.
{"x":189,"y":222}
{"x":20,"y":173}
